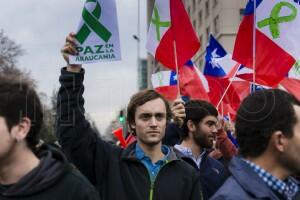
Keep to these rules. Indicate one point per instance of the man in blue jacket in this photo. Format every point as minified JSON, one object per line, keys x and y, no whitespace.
{"x":146,"y":169}
{"x":198,"y":133}
{"x":268,"y":133}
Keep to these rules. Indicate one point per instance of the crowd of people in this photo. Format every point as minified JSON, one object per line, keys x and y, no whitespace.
{"x":183,"y":150}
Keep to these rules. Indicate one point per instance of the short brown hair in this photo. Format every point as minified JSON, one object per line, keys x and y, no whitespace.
{"x":141,"y":98}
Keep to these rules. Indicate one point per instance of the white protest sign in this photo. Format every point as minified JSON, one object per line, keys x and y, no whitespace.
{"x":98,"y":35}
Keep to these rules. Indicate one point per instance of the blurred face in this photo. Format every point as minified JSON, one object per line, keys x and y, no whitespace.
{"x":291,"y":158}
{"x":206,"y":131}
{"x":150,"y":122}
{"x":7,"y":142}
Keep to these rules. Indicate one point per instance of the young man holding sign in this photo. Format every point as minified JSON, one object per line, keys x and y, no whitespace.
{"x":146,"y":169}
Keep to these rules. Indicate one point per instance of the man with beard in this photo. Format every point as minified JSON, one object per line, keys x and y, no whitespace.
{"x":199,"y":131}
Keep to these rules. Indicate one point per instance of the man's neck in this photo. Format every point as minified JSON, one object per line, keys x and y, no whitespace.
{"x":153,"y":152}
{"x":268,"y":163}
{"x":19,"y":163}
{"x":189,"y":143}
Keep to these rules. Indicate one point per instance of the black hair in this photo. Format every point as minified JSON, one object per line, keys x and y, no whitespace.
{"x":18,"y":99}
{"x":260,"y":115}
{"x":196,"y":110}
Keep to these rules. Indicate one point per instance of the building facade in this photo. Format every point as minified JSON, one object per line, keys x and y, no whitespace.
{"x":221,"y":18}
{"x":142,"y":74}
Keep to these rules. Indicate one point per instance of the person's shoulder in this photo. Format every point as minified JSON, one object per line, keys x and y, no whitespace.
{"x":230,"y":190}
{"x":185,"y":166}
{"x":77,"y":181}
{"x":214,"y":163}
{"x":75,"y":175}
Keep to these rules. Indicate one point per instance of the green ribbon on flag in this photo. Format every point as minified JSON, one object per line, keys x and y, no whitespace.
{"x":297,"y":67}
{"x":274,"y":20}
{"x":160,"y":78}
{"x":156,"y":21}
{"x":92,"y":24}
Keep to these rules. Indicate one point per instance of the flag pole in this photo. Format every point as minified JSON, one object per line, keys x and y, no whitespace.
{"x":177,"y":71}
{"x":226,"y":90}
{"x":222,"y":109}
{"x":254,"y":46}
{"x":229,"y":118}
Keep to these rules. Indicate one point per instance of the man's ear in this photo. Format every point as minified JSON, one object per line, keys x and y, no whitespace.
{"x":280,"y":141}
{"x":21,"y":130}
{"x":132,"y":128}
{"x":191,"y":126}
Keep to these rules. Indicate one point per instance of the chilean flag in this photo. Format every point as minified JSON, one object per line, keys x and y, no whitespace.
{"x":169,"y":23}
{"x":165,"y":83}
{"x":277,"y":44}
{"x":193,"y":84}
{"x":218,"y":70}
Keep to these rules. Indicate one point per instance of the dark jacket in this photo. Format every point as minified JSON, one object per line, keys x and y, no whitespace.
{"x":116,"y":173}
{"x":54,"y":178}
{"x":173,"y":135}
{"x":212,"y":173}
{"x":244,"y":184}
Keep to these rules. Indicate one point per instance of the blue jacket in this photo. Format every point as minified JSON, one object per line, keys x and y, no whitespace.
{"x":244,"y":184}
{"x":212,"y":174}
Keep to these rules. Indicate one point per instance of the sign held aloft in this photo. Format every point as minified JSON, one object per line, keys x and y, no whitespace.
{"x":98,"y":34}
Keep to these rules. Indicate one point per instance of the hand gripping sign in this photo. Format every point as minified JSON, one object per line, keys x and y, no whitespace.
{"x":98,"y":35}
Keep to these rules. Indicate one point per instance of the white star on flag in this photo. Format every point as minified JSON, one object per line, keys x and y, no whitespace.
{"x":175,"y":77}
{"x":215,"y":59}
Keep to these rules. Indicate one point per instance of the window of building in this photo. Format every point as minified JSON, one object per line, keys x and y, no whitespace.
{"x":242,"y":13}
{"x":189,"y":11}
{"x":207,"y":8}
{"x":207,"y":33}
{"x":216,"y":24}
{"x":200,"y":18}
{"x":194,"y":23}
{"x":215,"y":3}
{"x":194,"y":5}
{"x":201,"y":39}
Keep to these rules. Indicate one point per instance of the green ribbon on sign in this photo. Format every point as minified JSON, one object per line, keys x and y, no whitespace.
{"x":92,"y":24}
{"x":274,"y":20}
{"x":156,"y":21}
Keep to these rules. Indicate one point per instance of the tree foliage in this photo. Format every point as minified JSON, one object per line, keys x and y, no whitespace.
{"x":9,"y":51}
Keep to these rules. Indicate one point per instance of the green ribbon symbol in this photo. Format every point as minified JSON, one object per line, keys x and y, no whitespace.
{"x":156,"y":21}
{"x":160,"y":78}
{"x":92,"y":24}
{"x":297,"y":67}
{"x":274,"y":20}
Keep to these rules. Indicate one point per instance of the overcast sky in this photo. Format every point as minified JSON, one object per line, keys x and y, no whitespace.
{"x":40,"y":28}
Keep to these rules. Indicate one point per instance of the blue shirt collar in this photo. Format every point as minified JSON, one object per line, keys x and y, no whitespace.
{"x":140,"y":154}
